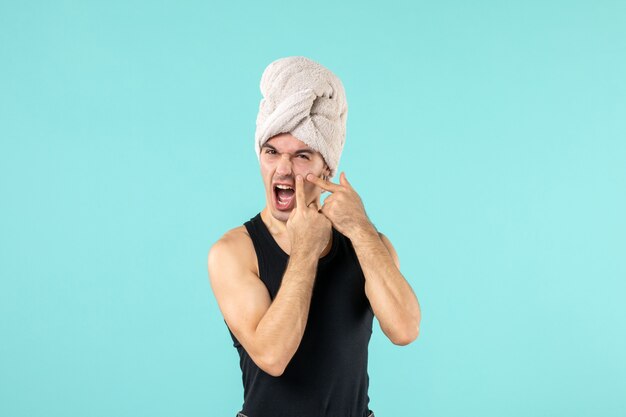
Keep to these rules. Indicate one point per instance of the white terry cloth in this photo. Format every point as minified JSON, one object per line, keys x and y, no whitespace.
{"x":304,"y":98}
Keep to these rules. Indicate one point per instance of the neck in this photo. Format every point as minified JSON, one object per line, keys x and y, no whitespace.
{"x":275,"y":226}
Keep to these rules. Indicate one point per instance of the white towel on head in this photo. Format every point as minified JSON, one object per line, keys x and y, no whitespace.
{"x":304,"y":98}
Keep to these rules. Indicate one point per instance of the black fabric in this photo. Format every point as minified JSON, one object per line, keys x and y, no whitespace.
{"x":327,"y":376}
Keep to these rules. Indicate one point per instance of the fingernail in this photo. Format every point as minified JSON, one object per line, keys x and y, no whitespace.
{"x":299,"y":177}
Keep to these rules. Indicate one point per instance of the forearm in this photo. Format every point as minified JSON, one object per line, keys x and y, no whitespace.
{"x":281,"y":329}
{"x":392,"y":299}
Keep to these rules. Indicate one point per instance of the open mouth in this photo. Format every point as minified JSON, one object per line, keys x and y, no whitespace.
{"x":285,"y":196}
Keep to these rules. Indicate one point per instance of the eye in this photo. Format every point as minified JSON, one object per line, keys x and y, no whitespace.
{"x":304,"y":156}
{"x":270,"y":151}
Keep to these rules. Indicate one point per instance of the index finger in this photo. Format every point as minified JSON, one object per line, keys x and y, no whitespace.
{"x":300,"y":202}
{"x":327,"y":185}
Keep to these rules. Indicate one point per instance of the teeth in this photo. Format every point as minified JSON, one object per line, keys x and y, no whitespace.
{"x":283,"y":187}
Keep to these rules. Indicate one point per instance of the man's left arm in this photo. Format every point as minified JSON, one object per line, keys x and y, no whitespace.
{"x":392,"y":299}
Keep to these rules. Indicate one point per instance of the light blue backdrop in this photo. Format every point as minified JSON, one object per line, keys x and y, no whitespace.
{"x":487,"y":140}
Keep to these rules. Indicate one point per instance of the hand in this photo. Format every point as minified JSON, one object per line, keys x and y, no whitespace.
{"x":343,"y":207}
{"x":308,"y":229}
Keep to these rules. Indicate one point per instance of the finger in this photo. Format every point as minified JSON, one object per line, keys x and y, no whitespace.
{"x":300,"y":192}
{"x":313,"y":204}
{"x":343,"y":180}
{"x":327,"y":185}
{"x":291,"y":215}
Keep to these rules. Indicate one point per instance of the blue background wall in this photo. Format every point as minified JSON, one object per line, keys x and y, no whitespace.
{"x":487,"y":140}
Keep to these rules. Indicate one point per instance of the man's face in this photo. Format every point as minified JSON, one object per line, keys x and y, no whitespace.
{"x":282,"y":158}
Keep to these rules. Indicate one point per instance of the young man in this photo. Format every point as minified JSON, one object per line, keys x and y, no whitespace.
{"x":299,"y":283}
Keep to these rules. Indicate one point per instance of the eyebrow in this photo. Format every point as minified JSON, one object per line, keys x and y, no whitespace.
{"x":305,"y":150}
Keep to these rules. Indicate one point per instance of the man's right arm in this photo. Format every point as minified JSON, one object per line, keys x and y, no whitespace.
{"x":270,"y":331}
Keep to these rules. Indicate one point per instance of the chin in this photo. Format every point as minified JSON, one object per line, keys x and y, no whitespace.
{"x":282,"y":216}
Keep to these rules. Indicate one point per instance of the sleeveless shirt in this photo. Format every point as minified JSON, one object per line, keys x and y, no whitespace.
{"x":327,"y":376}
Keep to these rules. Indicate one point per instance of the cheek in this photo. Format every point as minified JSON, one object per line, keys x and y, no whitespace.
{"x":304,"y":167}
{"x":266,"y":169}
{"x":266,"y":177}
{"x":300,"y":164}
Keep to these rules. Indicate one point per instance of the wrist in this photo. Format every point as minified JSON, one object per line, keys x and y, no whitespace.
{"x":301,"y":252}
{"x":363,"y":232}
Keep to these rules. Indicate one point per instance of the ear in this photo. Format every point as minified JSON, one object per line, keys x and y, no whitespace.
{"x":325,"y":172}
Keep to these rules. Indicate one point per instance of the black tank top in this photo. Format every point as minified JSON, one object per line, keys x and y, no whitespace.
{"x":327,"y":376}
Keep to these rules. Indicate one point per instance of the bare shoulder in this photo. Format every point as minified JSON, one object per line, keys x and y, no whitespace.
{"x":233,"y":246}
{"x":390,"y":249}
{"x":241,"y":296}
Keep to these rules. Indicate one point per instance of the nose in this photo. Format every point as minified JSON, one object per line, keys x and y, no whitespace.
{"x":284,"y":167}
